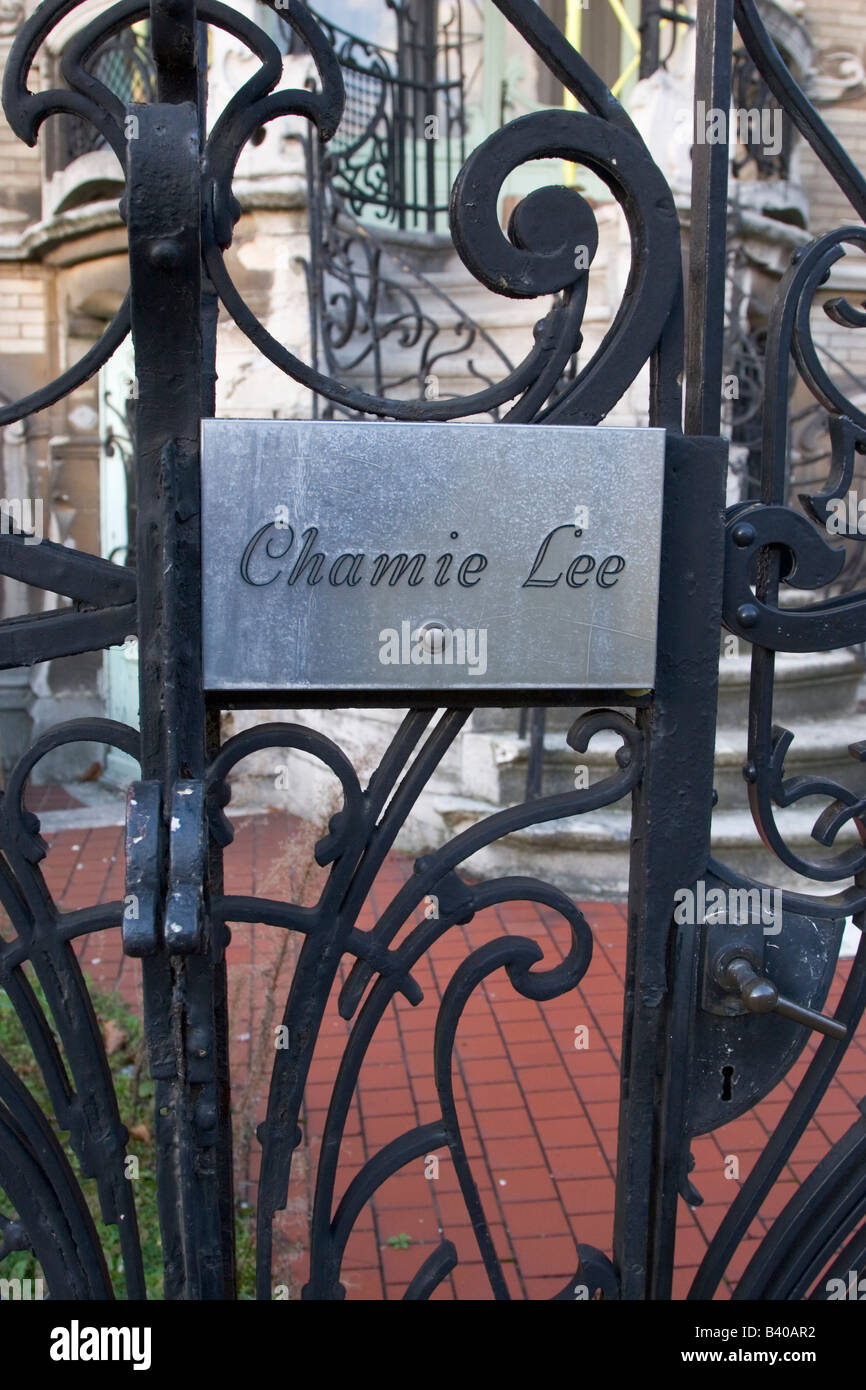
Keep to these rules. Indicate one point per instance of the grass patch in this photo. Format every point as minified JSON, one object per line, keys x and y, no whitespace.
{"x":123,"y":1033}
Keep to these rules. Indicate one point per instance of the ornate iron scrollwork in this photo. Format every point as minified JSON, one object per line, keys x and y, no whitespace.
{"x":539,"y":259}
{"x":362,"y":833}
{"x":53,"y":1219}
{"x":356,"y":307}
{"x":123,"y":64}
{"x":186,"y":1003}
{"x":769,"y":543}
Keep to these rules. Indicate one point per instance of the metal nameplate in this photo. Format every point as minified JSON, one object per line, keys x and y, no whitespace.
{"x":385,"y":557}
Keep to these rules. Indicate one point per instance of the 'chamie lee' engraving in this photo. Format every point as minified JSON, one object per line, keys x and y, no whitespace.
{"x":271,"y":553}
{"x":350,"y":568}
{"x":539,"y":549}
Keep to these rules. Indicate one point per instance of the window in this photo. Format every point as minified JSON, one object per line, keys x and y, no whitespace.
{"x":600,"y":44}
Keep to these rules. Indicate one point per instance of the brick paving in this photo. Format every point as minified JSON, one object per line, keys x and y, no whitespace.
{"x":538,"y":1115}
{"x":50,"y":798}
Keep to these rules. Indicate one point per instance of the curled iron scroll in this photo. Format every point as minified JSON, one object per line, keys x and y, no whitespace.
{"x":540,"y":258}
{"x":360,"y":835}
{"x":768,"y":543}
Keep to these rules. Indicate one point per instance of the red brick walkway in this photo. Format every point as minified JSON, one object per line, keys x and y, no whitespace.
{"x":539,"y":1116}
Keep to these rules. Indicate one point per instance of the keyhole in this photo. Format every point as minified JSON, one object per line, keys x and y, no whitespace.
{"x":727,"y":1082}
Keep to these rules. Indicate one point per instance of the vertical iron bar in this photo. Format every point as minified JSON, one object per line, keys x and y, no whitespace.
{"x":182,"y":993}
{"x":670,"y":847}
{"x":705,"y":320}
{"x":672,"y":807}
{"x":217,"y":934}
{"x":314,"y":158}
{"x":397,"y":154}
{"x":224,"y":1146}
{"x":429,"y":34}
{"x":649,"y":38}
{"x":535,"y":766}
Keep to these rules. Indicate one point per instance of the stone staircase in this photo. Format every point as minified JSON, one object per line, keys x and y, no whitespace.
{"x":816,"y":698}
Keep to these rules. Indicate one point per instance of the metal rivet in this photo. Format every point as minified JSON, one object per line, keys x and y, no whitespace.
{"x":165,"y":254}
{"x":432,"y":636}
{"x":205,"y":1114}
{"x":747,"y":615}
{"x":744,"y":534}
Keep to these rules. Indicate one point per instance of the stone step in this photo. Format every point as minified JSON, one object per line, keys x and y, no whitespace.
{"x":588,"y":855}
{"x":820,"y":748}
{"x":817,"y":686}
{"x":497,"y":763}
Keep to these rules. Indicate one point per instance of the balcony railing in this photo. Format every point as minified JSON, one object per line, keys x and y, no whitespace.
{"x":124,"y":64}
{"x":401,"y":142}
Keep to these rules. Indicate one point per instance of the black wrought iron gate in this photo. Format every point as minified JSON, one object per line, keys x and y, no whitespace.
{"x":699,"y":999}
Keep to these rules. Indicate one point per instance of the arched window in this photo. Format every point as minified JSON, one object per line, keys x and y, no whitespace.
{"x":124,"y":65}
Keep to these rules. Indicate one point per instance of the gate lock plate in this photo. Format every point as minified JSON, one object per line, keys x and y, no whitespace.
{"x":761,"y":986}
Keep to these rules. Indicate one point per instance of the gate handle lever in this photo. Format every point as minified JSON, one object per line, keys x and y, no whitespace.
{"x":760,"y":996}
